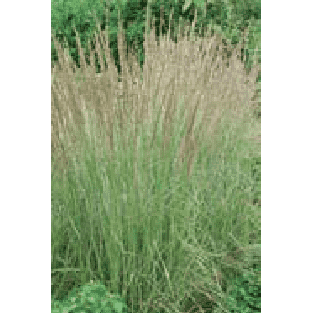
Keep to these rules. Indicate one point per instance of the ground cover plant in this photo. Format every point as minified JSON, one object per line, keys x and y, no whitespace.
{"x":155,"y":180}
{"x":92,"y":298}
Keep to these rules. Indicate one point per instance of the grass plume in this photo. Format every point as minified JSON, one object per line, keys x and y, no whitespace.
{"x":155,"y":186}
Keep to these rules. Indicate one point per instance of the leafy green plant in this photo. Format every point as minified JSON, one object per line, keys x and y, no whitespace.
{"x":246,"y":295}
{"x":91,"y":298}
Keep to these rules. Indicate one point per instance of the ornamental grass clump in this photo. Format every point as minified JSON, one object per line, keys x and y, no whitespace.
{"x":151,"y":172}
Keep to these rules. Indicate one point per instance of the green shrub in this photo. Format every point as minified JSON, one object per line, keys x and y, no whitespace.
{"x":91,"y":298}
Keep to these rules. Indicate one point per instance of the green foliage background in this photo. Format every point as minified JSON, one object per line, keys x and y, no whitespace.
{"x":229,"y":17}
